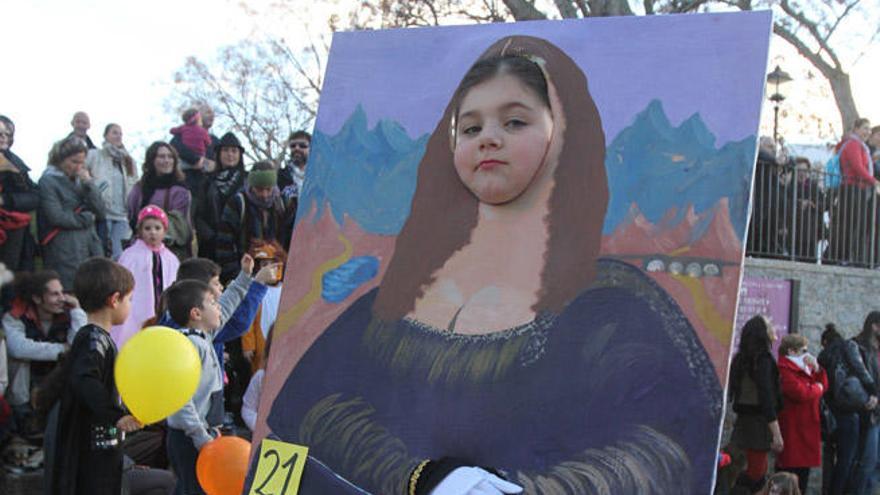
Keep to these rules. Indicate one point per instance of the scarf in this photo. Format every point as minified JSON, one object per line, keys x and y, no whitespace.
{"x":228,"y":181}
{"x":152,"y":183}
{"x":264,"y":204}
{"x":800,"y":362}
{"x":119,"y":155}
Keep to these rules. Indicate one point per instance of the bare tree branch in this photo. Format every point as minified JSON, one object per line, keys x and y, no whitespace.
{"x":813,"y":29}
{"x":840,"y":18}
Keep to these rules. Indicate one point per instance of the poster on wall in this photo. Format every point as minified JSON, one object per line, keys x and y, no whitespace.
{"x":518,"y":247}
{"x":765,"y":296}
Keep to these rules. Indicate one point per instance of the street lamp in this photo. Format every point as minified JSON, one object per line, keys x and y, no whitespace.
{"x":777,"y":77}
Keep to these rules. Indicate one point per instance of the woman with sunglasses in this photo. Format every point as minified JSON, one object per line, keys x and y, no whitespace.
{"x":803,"y":382}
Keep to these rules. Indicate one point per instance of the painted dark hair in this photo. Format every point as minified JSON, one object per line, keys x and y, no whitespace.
{"x":444,"y":211}
{"x":149,"y":167}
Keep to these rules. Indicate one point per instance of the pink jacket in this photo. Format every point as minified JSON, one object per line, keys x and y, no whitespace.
{"x":138,"y":258}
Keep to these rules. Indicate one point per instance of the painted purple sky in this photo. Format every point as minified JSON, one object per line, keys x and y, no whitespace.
{"x":711,"y":64}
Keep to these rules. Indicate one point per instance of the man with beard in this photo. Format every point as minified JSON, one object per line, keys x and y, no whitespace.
{"x":40,"y":326}
{"x":290,"y":178}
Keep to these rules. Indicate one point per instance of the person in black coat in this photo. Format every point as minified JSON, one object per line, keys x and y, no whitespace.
{"x":842,"y":359}
{"x":219,"y":186}
{"x":18,"y":193}
{"x":757,"y":398}
{"x":87,"y":456}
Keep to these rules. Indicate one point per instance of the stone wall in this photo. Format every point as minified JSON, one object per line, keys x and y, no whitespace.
{"x":835,"y":294}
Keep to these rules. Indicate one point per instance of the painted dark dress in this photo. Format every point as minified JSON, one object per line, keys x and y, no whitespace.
{"x":615,"y":395}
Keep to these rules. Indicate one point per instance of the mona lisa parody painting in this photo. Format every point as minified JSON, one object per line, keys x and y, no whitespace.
{"x":516,"y":258}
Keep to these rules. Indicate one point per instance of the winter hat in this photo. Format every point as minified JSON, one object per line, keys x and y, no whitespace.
{"x":153,"y":211}
{"x":229,"y":140}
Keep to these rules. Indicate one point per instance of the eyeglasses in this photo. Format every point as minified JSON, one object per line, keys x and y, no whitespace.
{"x":303,"y":146}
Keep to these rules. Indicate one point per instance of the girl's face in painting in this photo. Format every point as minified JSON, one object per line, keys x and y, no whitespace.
{"x":502,"y":135}
{"x":152,"y":232}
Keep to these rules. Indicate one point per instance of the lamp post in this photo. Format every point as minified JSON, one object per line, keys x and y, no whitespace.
{"x":777,"y":77}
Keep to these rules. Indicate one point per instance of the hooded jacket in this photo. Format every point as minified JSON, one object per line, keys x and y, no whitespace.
{"x":219,"y":186}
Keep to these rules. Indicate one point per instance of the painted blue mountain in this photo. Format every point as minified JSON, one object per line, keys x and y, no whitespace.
{"x":658,"y":166}
{"x":366,"y":174}
{"x":369,"y":175}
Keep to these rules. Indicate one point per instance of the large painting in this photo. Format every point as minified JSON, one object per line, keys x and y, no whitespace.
{"x":519,"y":246}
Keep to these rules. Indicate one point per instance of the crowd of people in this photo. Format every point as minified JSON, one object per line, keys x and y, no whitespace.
{"x":194,"y":240}
{"x":190,"y":239}
{"x":810,"y":412}
{"x":819,"y":211}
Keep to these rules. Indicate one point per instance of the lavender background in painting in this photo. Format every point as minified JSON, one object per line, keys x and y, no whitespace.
{"x":623,"y":77}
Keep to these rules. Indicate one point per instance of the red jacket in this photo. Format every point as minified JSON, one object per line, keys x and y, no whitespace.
{"x":799,"y":417}
{"x":855,"y":162}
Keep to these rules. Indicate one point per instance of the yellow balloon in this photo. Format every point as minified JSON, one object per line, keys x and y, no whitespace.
{"x":157,"y":372}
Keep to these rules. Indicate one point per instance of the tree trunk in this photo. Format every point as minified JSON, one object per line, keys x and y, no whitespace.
{"x":846,"y":104}
{"x":607,"y":8}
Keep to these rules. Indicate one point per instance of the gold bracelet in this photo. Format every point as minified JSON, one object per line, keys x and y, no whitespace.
{"x":414,"y":477}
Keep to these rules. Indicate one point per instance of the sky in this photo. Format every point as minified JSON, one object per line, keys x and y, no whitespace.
{"x":116,"y":60}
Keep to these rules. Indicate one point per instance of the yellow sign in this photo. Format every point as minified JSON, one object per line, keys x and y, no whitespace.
{"x":279,"y":469}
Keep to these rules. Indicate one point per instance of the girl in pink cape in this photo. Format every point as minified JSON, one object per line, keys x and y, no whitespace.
{"x":154,"y":267}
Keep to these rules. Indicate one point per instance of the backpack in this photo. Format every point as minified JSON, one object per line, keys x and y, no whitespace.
{"x":832,"y":170}
{"x":847,"y":392}
{"x":179,"y":237}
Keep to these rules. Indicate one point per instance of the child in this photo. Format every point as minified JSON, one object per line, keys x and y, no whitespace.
{"x":782,"y":484}
{"x":154,"y":267}
{"x":193,"y":306}
{"x":193,"y":135}
{"x":87,"y":457}
{"x":239,"y":304}
{"x":251,"y":401}
{"x":252,"y":343}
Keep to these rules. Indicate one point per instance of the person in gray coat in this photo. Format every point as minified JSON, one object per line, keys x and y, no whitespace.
{"x":70,"y":205}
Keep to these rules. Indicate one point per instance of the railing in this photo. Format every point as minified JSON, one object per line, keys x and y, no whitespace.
{"x":808,"y":215}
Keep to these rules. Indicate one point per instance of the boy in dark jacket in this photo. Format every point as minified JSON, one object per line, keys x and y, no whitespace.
{"x":87,"y":458}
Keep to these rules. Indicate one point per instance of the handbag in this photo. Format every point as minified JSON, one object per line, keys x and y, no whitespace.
{"x":179,"y":236}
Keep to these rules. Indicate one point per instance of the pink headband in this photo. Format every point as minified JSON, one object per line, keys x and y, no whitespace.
{"x":153,"y":211}
{"x":195,"y":118}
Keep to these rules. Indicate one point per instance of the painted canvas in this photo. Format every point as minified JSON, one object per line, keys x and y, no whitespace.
{"x":518,"y":247}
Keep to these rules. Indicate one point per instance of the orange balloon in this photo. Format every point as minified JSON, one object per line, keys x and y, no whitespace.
{"x":222,"y":465}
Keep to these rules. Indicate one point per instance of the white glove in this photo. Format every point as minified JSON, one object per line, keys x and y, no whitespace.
{"x":474,"y":481}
